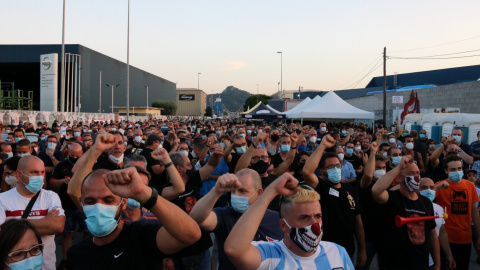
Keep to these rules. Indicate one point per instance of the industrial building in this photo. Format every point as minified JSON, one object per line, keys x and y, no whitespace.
{"x":217,"y":108}
{"x":88,"y":72}
{"x":444,"y":90}
{"x":191,"y":102}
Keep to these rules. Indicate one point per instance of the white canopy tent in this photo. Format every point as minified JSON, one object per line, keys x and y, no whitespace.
{"x":298,"y":107}
{"x":333,"y":108}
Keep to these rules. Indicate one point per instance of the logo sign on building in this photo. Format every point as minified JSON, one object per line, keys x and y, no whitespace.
{"x":185,"y":97}
{"x":48,"y":82}
{"x":397,"y":99}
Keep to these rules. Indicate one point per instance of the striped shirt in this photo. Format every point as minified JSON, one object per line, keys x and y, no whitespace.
{"x":275,"y":255}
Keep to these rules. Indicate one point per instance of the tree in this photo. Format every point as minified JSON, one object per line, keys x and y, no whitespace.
{"x":209,"y":111}
{"x":169,"y":107}
{"x":252,"y":101}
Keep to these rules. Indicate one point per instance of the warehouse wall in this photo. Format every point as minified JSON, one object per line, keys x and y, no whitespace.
{"x":465,"y":96}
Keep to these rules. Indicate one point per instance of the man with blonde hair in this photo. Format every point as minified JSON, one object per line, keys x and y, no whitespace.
{"x":301,"y":223}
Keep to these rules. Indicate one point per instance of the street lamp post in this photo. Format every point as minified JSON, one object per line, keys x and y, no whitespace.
{"x":198,"y":77}
{"x":147,"y":95}
{"x":281,"y":73}
{"x":113,"y":86}
{"x":128,"y":62}
{"x":62,"y":88}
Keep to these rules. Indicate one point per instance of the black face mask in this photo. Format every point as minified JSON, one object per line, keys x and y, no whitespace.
{"x":260,"y":167}
{"x":182,"y":139}
{"x":274,"y":138}
{"x":72,"y":159}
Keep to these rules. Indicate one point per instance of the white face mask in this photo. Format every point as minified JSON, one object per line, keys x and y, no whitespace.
{"x":379,"y":173}
{"x":323,"y":129}
{"x":115,"y":159}
{"x":184,"y":152}
{"x":341,"y":156}
{"x":10,"y":179}
{"x":409,"y":145}
{"x":358,"y":148}
{"x":138,"y":139}
{"x":392,"y":140}
{"x":313,"y":139}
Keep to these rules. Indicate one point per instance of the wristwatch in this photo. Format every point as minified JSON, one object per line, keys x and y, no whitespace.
{"x":459,"y":150}
{"x":52,"y":157}
{"x":168,"y":164}
{"x":152,"y":200}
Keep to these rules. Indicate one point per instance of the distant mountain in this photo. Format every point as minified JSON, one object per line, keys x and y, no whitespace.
{"x":232,"y":99}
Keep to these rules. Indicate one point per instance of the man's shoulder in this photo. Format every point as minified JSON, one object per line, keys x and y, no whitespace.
{"x":9,"y":193}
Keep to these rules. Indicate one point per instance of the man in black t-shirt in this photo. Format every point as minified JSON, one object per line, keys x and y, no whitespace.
{"x":197,"y":255}
{"x":60,"y":177}
{"x":115,"y":154}
{"x":409,"y":245}
{"x":342,"y":222}
{"x":154,"y":167}
{"x":116,"y":245}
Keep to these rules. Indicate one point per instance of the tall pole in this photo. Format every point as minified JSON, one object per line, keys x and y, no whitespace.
{"x":68,"y":80}
{"x":281,"y":74}
{"x":79,"y":82}
{"x":147,"y":96}
{"x":128,"y":61}
{"x":112,"y":97}
{"x":100,"y":90}
{"x":384,"y":86}
{"x":62,"y":79}
{"x":75,"y":86}
{"x":198,"y":77}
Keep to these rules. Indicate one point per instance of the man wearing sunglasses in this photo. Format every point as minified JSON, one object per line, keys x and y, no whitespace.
{"x":301,"y":224}
{"x":343,"y":223}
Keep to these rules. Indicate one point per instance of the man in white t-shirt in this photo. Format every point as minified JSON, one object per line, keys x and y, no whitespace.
{"x":301,"y":224}
{"x":46,"y":215}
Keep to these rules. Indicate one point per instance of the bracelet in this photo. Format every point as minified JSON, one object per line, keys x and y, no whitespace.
{"x":293,"y":147}
{"x":254,"y":146}
{"x":152,"y":200}
{"x":168,"y":164}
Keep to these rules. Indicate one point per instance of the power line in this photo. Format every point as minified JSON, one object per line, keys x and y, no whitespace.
{"x":369,"y":65}
{"x":372,"y":70}
{"x":438,"y":45}
{"x":433,"y":58}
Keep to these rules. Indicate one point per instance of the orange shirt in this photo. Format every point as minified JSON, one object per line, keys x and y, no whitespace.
{"x":458,"y":200}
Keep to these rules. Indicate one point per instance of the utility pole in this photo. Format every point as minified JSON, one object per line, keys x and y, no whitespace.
{"x":100,"y":88}
{"x":62,"y":87}
{"x":384,"y":86}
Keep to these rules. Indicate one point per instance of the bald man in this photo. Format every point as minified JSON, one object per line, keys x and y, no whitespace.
{"x":46,"y":214}
{"x":222,"y":220}
{"x":137,"y":245}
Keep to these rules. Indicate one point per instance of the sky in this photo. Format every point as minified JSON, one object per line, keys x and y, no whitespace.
{"x":325,"y":45}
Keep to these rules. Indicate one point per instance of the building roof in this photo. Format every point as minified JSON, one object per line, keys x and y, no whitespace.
{"x":436,"y":77}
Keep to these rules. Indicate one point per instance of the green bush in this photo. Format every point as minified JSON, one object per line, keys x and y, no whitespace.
{"x":169,"y":107}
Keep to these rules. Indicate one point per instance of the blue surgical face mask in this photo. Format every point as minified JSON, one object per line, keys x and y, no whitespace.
{"x":52,"y":145}
{"x":101,"y":218}
{"x":422,"y":136}
{"x":23,"y":155}
{"x":132,"y":204}
{"x":396,"y":160}
{"x":428,"y":193}
{"x":334,"y":175}
{"x":43,"y":138}
{"x":9,"y":155}
{"x":302,"y":147}
{"x":17,"y":140}
{"x":224,"y":145}
{"x":77,"y":134}
{"x":35,"y":183}
{"x":32,"y":263}
{"x":349,"y":151}
{"x":456,"y":177}
{"x":218,"y":132}
{"x":240,"y":204}
{"x":243,"y":135}
{"x":241,"y":150}
{"x":285,"y":148}
{"x":457,"y":139}
{"x":203,"y":137}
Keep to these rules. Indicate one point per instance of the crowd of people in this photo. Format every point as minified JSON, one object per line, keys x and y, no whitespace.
{"x":162,"y":194}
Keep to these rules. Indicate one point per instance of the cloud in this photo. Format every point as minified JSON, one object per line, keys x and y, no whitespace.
{"x":235,"y":65}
